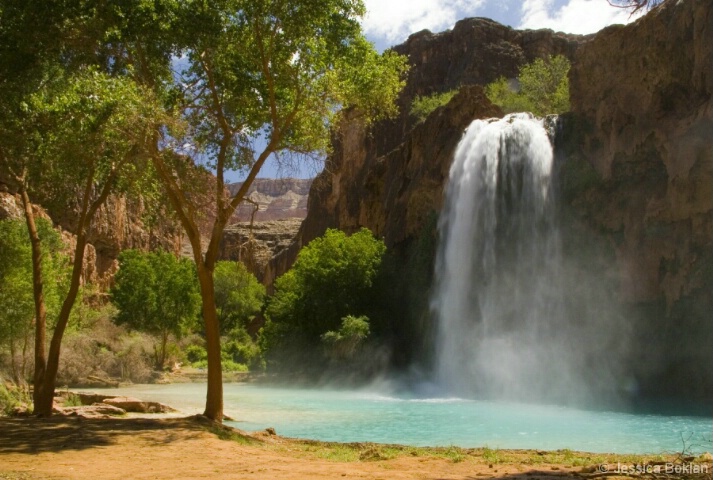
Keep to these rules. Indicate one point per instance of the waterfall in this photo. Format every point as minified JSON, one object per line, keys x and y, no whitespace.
{"x":506,"y":325}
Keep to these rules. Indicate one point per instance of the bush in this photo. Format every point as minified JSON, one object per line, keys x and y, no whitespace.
{"x":12,"y":396}
{"x":239,"y":296}
{"x":331,"y":279}
{"x":195,"y":354}
{"x":156,"y":293}
{"x":104,"y":349}
{"x":342,"y":344}
{"x":240,"y":348}
{"x":422,"y":106}
{"x":542,"y":88}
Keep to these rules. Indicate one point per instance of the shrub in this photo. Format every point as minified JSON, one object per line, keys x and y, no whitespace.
{"x":195,"y":354}
{"x":542,"y":88}
{"x":158,"y":294}
{"x":342,"y":344}
{"x":422,"y":106}
{"x":239,"y":296}
{"x":12,"y":396}
{"x":331,"y":279}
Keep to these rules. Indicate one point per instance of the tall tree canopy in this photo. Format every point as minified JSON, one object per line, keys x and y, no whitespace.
{"x":254,"y":78}
{"x":263,"y":78}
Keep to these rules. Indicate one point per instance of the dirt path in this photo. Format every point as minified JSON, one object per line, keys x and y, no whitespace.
{"x":187,"y":448}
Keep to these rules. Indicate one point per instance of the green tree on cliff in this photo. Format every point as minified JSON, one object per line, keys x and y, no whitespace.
{"x":542,"y":87}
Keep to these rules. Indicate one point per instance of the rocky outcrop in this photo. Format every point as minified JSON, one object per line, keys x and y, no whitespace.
{"x":256,"y":243}
{"x":275,"y":199}
{"x":393,"y":194}
{"x":476,"y":51}
{"x":265,"y":226}
{"x":635,"y":157}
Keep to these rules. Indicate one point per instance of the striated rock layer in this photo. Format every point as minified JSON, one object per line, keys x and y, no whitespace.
{"x":275,"y":199}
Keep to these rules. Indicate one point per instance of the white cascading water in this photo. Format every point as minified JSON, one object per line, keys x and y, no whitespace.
{"x":499,"y":300}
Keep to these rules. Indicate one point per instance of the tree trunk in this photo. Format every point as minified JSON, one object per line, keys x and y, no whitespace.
{"x":40,"y":308}
{"x":13,"y":363}
{"x":43,"y":401}
{"x":214,"y":397}
{"x":161,"y":354}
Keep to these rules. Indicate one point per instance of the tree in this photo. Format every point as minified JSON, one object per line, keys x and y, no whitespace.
{"x":263,"y":78}
{"x":329,"y":281}
{"x":422,"y":106}
{"x":636,"y":5}
{"x":238,"y":295}
{"x":16,"y":299}
{"x":542,"y":88}
{"x":156,"y":293}
{"x":74,"y":123}
{"x":77,"y":139}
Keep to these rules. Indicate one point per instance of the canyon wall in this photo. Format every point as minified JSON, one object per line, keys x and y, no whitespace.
{"x":119,"y":224}
{"x":390,"y":178}
{"x":639,"y":173}
{"x":275,"y":199}
{"x":634,"y":159}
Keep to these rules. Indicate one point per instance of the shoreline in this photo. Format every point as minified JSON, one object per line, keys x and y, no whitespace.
{"x":149,"y":447}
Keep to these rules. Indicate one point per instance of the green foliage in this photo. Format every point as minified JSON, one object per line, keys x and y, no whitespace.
{"x":156,"y":293}
{"x":329,"y":281}
{"x":195,"y":354}
{"x":240,"y":348}
{"x":343,"y":343}
{"x":422,"y":106}
{"x":12,"y":396}
{"x":280,"y":70}
{"x":17,"y":307}
{"x":72,"y":400}
{"x":543,"y":88}
{"x":238,"y":295}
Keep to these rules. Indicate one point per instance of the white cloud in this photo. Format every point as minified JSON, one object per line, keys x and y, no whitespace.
{"x":576,"y":16}
{"x":394,"y":20}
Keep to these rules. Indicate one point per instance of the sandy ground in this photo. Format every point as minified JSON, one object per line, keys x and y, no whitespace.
{"x":188,"y":448}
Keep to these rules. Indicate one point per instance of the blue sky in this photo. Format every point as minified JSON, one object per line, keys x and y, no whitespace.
{"x":390,"y":22}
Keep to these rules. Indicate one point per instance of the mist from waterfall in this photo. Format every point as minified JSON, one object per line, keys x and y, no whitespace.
{"x":510,"y":322}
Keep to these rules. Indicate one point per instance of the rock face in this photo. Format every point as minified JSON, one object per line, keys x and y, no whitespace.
{"x":254,"y":244}
{"x":391,"y":178}
{"x":118,"y":225}
{"x":276,"y":210}
{"x":643,"y":119}
{"x":647,"y":122}
{"x":476,"y":52}
{"x":276,"y":199}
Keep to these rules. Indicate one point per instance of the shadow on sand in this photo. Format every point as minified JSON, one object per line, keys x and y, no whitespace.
{"x":57,"y":434}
